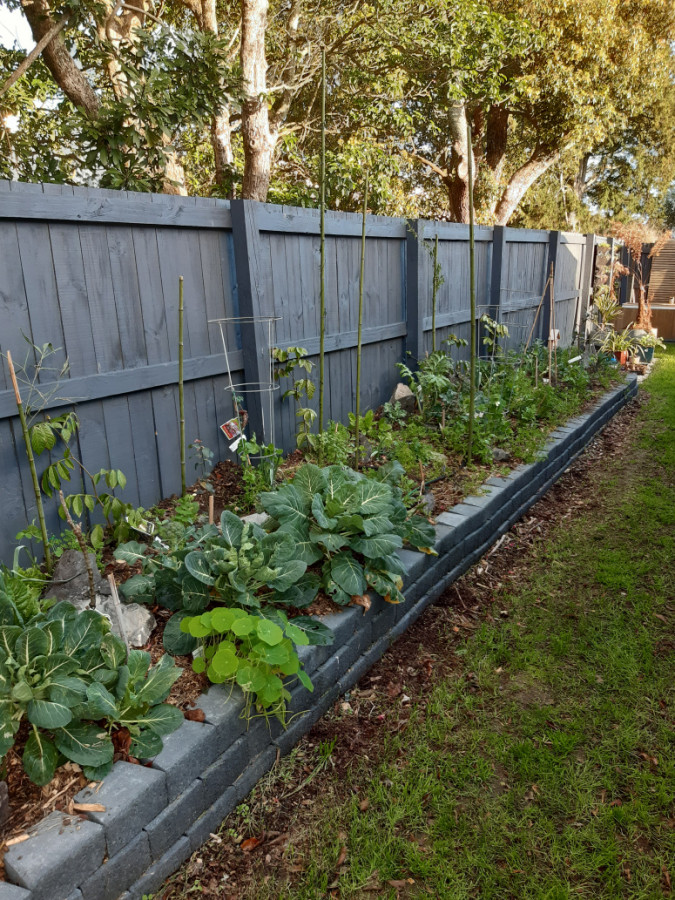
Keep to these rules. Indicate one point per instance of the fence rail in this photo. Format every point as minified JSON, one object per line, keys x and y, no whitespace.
{"x":95,"y":272}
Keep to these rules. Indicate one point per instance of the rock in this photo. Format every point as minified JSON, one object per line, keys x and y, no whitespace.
{"x":70,"y":580}
{"x":500,"y":455}
{"x":256,"y":519}
{"x":4,"y":803}
{"x":428,"y":503}
{"x":137,"y":620}
{"x":403,"y":395}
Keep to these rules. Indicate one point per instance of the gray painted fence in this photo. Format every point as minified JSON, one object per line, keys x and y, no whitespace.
{"x":95,"y":273}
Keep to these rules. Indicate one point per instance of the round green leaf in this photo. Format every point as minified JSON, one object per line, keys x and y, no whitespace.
{"x":244,"y":626}
{"x":225,"y":662}
{"x":269,"y":632}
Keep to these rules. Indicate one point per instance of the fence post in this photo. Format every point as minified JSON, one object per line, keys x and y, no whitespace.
{"x":587,"y":270}
{"x":252,"y":270}
{"x":627,"y":283}
{"x":552,"y":258}
{"x":497,"y":273}
{"x":414,"y":287}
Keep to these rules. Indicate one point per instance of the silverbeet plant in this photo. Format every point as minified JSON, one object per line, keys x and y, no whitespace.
{"x":74,"y":683}
{"x":252,"y":651}
{"x":352,"y":525}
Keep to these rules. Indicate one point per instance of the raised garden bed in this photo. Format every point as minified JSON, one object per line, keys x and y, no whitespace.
{"x":154,"y":817}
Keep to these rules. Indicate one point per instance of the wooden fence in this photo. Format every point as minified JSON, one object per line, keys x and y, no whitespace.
{"x":95,"y":273}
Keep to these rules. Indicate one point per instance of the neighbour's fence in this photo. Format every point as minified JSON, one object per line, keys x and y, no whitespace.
{"x":95,"y":273}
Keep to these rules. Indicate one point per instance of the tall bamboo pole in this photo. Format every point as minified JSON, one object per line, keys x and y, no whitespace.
{"x":322,"y":265}
{"x":181,"y":394}
{"x":472,"y":294}
{"x":31,"y":463}
{"x":357,"y":448}
{"x":433,"y":296}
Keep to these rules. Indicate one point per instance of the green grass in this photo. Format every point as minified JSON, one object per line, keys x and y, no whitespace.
{"x":556,"y":777}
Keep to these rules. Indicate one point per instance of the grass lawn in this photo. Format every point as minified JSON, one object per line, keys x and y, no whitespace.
{"x":549,"y":772}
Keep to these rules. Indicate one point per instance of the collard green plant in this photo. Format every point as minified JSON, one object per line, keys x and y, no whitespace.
{"x":250,"y":650}
{"x":352,"y":525}
{"x":74,"y":682}
{"x":237,"y":564}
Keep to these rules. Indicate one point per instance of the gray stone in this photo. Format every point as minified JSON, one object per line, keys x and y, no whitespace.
{"x":138,"y":622}
{"x":343,"y":624}
{"x":4,"y":802}
{"x":311,"y":656}
{"x":175,"y":821}
{"x":403,"y":395}
{"x":223,"y":707}
{"x":222,"y":774}
{"x":500,"y":455}
{"x":132,"y":797}
{"x":256,"y":519}
{"x":414,"y":563}
{"x":185,"y":755}
{"x":60,"y":854}
{"x":119,"y":871}
{"x":70,"y":580}
{"x":428,"y":504}
{"x":160,"y":870}
{"x":348,"y":654}
{"x":13,"y":892}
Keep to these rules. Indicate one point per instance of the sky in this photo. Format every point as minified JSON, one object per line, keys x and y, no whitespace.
{"x":14,"y":28}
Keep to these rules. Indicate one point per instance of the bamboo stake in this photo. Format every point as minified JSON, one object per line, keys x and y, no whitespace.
{"x":472,"y":294}
{"x":31,"y":463}
{"x":212,"y":504}
{"x":181,"y":393}
{"x":322,"y":264}
{"x":357,"y":449}
{"x":536,"y":315}
{"x":433,"y":296}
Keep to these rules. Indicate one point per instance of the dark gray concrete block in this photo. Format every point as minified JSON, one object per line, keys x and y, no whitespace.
{"x":13,"y":892}
{"x":347,"y":655}
{"x":302,"y":724}
{"x":132,"y":796}
{"x":262,"y":730}
{"x":222,"y":706}
{"x":343,"y":624}
{"x":61,"y":852}
{"x":171,"y":824}
{"x":160,"y":870}
{"x":414,"y":562}
{"x":253,"y":773}
{"x":185,"y":755}
{"x":312,"y":657}
{"x":462,"y":522}
{"x":211,"y":819}
{"x":222,"y":773}
{"x":119,"y":871}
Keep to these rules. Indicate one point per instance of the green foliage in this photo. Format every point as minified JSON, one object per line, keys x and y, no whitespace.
{"x":259,"y":467}
{"x":203,"y":461}
{"x":289,"y":360}
{"x":251,"y":651}
{"x":352,"y":525}
{"x":74,"y":682}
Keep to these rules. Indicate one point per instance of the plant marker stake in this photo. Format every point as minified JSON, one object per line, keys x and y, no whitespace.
{"x":472,"y":294}
{"x":433,"y":296}
{"x":357,"y":449}
{"x":31,"y":463}
{"x":212,"y":503}
{"x":322,"y":264}
{"x":550,"y":319}
{"x":181,"y":394}
{"x":117,"y":606}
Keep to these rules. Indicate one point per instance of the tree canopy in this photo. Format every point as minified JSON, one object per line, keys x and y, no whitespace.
{"x":569,"y":104}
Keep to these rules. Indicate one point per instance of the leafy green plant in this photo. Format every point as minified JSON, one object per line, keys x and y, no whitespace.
{"x":350,"y":523}
{"x":251,"y":651}
{"x":651,"y":340}
{"x":289,"y":360}
{"x":618,"y":341}
{"x":261,"y":475}
{"x":75,"y":683}
{"x":203,"y":462}
{"x":238,"y":565}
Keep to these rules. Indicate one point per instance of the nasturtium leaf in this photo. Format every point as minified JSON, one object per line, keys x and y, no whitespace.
{"x":199,"y":628}
{"x":269,"y":632}
{"x":291,"y":667}
{"x":244,"y":626}
{"x":274,"y":656}
{"x":297,"y":635}
{"x":223,"y":618}
{"x":40,"y":757}
{"x":225,"y":662}
{"x":347,"y":573}
{"x":199,"y":664}
{"x":251,"y":678}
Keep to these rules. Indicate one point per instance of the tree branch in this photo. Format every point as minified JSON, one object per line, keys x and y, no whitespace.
{"x":23,"y":67}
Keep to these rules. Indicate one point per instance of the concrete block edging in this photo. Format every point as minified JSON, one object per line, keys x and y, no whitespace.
{"x":164,"y":813}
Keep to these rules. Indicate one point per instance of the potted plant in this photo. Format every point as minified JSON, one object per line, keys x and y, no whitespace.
{"x":620,"y":344}
{"x":645,"y":346}
{"x":603,"y":312}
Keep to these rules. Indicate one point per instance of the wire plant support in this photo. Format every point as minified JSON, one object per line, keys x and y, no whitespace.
{"x":264,"y":389}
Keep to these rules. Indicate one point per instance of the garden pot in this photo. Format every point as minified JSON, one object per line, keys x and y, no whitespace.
{"x":621,"y":356}
{"x":645,"y":354}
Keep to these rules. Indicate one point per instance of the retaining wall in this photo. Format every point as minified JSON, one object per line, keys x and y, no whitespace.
{"x":156,"y":817}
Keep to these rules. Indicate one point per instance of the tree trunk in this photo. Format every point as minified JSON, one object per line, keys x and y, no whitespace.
{"x":457,"y":184}
{"x":521,"y":181}
{"x":496,"y":136}
{"x":221,"y":141}
{"x":58,"y":60}
{"x":259,"y":141}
